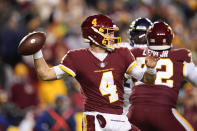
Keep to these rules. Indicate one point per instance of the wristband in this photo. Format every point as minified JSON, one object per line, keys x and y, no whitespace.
{"x":38,"y":55}
{"x":151,"y":70}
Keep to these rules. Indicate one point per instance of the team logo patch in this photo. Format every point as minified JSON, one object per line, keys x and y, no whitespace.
{"x":102,"y":64}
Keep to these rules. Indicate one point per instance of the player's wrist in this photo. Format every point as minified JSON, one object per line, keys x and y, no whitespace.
{"x":38,"y":54}
{"x":151,"y":70}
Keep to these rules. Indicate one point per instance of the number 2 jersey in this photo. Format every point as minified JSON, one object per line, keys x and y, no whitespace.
{"x":101,"y":81}
{"x":170,"y":74}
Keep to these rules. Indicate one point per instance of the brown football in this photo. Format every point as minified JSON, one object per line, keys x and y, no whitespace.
{"x":31,"y":43}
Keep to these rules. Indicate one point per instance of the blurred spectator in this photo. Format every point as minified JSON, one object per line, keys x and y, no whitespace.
{"x":10,"y":113}
{"x":6,"y":77}
{"x":28,"y":123}
{"x":4,"y":123}
{"x":59,"y":117}
{"x":190,"y":104}
{"x":23,"y":92}
{"x":48,"y":90}
{"x":10,"y":36}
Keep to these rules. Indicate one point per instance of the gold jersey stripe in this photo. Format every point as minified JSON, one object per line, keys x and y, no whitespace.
{"x":184,"y":64}
{"x":131,"y":67}
{"x":67,"y":70}
{"x":186,"y":122}
{"x":110,"y":69}
{"x":85,"y":121}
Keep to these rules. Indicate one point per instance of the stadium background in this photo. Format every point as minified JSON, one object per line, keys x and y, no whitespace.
{"x":23,"y":97}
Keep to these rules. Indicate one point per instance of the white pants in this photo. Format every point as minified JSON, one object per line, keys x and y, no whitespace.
{"x":105,"y":122}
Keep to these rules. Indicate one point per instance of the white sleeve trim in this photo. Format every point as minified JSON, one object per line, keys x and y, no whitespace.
{"x":67,"y":70}
{"x":137,"y":72}
{"x":133,"y":64}
{"x":59,"y":72}
{"x":190,"y":72}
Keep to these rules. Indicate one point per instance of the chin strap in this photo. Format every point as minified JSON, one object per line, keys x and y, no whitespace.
{"x":104,"y":47}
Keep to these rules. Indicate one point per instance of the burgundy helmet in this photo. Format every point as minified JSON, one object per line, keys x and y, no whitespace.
{"x":159,"y":36}
{"x":95,"y":29}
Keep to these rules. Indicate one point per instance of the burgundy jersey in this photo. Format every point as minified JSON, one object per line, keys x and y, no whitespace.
{"x":101,"y":81}
{"x":170,"y":74}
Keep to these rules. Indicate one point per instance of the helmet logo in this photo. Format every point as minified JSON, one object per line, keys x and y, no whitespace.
{"x":101,"y":30}
{"x":133,"y":28}
{"x":161,"y":34}
{"x":94,"y":22}
{"x":104,"y":42}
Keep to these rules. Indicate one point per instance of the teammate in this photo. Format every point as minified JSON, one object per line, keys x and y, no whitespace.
{"x":137,"y":32}
{"x":153,"y":107}
{"x":100,"y":71}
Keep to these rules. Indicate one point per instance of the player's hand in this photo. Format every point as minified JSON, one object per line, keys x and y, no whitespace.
{"x":151,"y":59}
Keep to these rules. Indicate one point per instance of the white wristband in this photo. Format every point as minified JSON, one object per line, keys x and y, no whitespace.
{"x":38,"y":55}
{"x":151,"y":70}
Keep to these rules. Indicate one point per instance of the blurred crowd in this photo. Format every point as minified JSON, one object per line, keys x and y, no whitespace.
{"x":28,"y":104}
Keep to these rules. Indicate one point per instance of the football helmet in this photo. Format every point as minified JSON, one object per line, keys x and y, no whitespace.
{"x":160,"y":36}
{"x":99,"y":30}
{"x":137,"y":32}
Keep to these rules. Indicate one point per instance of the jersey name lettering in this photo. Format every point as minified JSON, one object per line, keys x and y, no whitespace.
{"x":163,"y":55}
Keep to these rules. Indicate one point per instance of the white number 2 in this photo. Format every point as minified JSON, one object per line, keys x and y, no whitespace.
{"x":107,"y":86}
{"x":164,"y":73}
{"x":163,"y":77}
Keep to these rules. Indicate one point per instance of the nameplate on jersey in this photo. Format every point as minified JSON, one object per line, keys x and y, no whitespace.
{"x":162,"y":55}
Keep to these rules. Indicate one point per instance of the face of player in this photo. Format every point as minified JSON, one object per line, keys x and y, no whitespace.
{"x":110,"y":38}
{"x":140,"y":38}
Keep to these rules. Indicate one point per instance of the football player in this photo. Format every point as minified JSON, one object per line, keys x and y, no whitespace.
{"x":153,"y":107}
{"x":137,"y":32}
{"x":100,"y":71}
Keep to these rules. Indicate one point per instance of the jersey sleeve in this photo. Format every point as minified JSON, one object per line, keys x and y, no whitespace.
{"x":184,"y":55}
{"x":190,"y":72}
{"x":130,"y":60}
{"x":67,"y":64}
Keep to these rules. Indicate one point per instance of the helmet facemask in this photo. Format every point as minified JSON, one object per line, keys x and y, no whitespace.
{"x":109,"y":37}
{"x":139,"y":39}
{"x":101,"y":31}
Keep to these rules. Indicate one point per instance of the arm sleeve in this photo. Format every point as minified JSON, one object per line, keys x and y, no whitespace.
{"x":59,"y":72}
{"x":190,"y":72}
{"x":134,"y":70}
{"x":137,"y":72}
{"x":67,"y":64}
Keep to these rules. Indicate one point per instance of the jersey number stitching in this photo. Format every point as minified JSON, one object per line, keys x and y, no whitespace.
{"x":107,"y":86}
{"x":163,"y":77}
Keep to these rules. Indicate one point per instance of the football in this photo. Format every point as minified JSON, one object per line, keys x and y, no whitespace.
{"x":31,"y":43}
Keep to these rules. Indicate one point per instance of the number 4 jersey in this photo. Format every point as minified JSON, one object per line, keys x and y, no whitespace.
{"x":170,"y":74}
{"x":101,"y":81}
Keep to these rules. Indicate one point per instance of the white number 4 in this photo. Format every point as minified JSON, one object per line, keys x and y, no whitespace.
{"x":107,"y":87}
